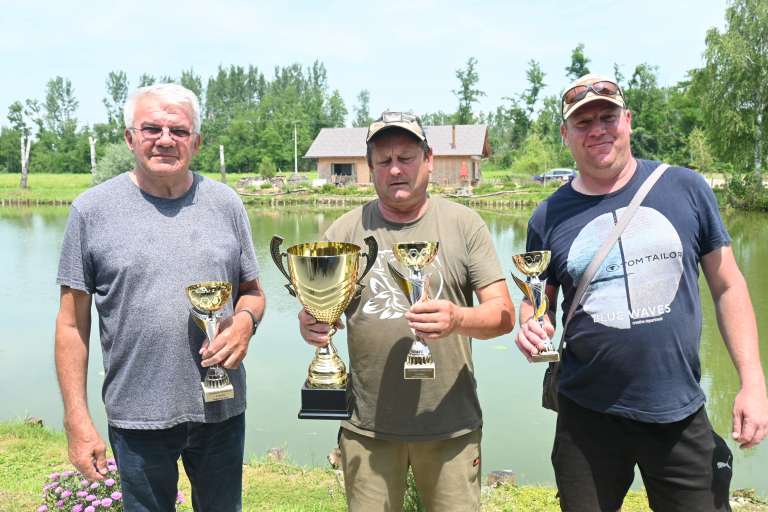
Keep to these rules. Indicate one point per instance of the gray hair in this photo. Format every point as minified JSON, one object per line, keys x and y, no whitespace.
{"x":173,"y":93}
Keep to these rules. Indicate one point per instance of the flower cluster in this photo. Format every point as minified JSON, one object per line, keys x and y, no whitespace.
{"x":70,"y":491}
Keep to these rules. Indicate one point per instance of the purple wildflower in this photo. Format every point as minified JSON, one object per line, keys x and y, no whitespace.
{"x":90,"y":497}
{"x":42,"y":508}
{"x":89,"y":509}
{"x":117,"y":495}
{"x":106,"y":503}
{"x":109,"y":482}
{"x":95,"y":485}
{"x":53,"y":476}
{"x":77,"y":508}
{"x":82,"y":494}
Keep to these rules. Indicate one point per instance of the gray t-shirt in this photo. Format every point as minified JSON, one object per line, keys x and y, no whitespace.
{"x":136,"y":254}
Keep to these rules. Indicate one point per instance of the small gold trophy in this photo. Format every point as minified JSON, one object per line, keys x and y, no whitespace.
{"x":323,"y":275}
{"x":415,"y":256}
{"x":208,"y":298}
{"x":532,"y":264}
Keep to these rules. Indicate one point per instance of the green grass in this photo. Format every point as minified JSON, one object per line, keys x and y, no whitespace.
{"x":28,"y":454}
{"x":43,"y":187}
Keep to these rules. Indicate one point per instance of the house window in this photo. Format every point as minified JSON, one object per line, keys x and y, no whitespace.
{"x":342,"y":169}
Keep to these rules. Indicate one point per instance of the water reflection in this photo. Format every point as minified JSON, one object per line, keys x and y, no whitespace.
{"x":517,"y":433}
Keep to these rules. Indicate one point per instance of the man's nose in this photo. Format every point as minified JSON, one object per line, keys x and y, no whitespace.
{"x":165,"y":138}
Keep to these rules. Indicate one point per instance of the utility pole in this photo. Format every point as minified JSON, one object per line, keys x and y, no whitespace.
{"x":295,"y":151}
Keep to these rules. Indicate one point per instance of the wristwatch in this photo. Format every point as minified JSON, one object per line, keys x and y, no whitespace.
{"x":253,"y":319}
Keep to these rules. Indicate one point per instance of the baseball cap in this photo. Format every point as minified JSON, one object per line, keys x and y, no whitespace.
{"x":404,"y":120}
{"x":594,"y":87}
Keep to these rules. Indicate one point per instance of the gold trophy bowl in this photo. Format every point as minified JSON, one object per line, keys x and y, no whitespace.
{"x":208,"y":298}
{"x":415,"y":286}
{"x":531,"y":265}
{"x":324,"y":277}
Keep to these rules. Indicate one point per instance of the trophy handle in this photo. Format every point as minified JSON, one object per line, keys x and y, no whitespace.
{"x":370,"y":256}
{"x":277,"y":257}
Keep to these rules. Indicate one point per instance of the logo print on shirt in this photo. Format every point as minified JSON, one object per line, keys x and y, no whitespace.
{"x":639,"y":278}
{"x":388,"y":300}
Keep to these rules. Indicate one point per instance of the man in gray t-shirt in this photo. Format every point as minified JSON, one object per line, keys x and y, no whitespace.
{"x":133,"y":244}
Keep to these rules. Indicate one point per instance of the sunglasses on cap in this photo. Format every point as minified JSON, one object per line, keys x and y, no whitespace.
{"x":602,"y":88}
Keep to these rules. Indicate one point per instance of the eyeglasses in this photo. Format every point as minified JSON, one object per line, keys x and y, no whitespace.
{"x":155,"y":132}
{"x":602,"y":88}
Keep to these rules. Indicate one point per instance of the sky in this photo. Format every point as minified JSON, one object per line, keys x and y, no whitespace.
{"x":405,"y":52}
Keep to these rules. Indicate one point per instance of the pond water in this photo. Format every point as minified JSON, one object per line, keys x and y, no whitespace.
{"x":517,"y":434}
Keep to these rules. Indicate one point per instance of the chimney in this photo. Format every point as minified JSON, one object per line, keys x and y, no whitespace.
{"x":453,"y":136}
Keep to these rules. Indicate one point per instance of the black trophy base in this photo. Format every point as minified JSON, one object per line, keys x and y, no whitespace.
{"x":324,"y":404}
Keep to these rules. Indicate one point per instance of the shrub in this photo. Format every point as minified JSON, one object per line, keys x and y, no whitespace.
{"x":116,"y":160}
{"x":267,"y":168}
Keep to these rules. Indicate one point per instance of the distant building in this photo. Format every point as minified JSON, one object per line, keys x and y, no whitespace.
{"x":458,"y":149}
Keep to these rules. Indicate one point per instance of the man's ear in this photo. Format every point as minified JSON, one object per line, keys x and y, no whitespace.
{"x":128,"y":136}
{"x":563,"y":133}
{"x":198,"y":141}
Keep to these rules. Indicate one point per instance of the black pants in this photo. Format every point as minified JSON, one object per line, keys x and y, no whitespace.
{"x":685,"y":466}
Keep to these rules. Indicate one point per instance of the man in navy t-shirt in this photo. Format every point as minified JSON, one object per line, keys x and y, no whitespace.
{"x":629,"y":390}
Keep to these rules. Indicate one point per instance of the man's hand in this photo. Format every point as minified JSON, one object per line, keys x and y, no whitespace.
{"x":231,"y":343}
{"x":87,"y":451}
{"x":434,"y":319}
{"x":531,"y":338}
{"x":315,"y":333}
{"x":750,"y":417}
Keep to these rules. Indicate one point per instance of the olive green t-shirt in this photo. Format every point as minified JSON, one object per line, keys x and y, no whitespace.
{"x":385,"y":405}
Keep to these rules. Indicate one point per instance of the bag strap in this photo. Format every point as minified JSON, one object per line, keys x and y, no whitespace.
{"x":608,"y":244}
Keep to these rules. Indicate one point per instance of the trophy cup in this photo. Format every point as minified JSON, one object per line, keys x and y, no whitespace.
{"x":532,"y":264}
{"x":208,"y":298}
{"x":323,"y":275}
{"x":415,"y":256}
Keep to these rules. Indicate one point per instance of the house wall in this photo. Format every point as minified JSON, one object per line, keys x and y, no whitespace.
{"x":447,"y":169}
{"x":359,"y":168}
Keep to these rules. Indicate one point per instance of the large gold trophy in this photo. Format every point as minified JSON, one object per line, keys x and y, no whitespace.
{"x":208,"y":298}
{"x":532,"y":264}
{"x":415,"y":286}
{"x":324,"y":277}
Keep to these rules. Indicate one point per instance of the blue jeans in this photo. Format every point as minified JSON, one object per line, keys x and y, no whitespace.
{"x":212,"y":454}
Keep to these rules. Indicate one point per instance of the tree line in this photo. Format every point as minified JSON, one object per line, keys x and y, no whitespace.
{"x":712,"y":120}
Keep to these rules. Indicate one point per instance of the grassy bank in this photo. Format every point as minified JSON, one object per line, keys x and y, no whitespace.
{"x":29,"y":453}
{"x":63,"y":188}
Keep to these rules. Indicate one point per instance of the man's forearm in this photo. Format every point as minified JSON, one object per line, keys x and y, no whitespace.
{"x":71,"y":354}
{"x":489,"y":319}
{"x":736,"y":320}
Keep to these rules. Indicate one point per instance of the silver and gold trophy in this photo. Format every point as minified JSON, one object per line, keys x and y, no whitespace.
{"x":415,"y":286}
{"x":208,"y":298}
{"x":324,"y":277}
{"x":532,"y":264}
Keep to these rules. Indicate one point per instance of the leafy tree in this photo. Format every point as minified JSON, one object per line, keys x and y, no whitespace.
{"x":10,"y":150}
{"x":60,"y":105}
{"x":578,"y":66}
{"x":467,"y":93}
{"x":701,"y":157}
{"x":337,"y":112}
{"x":648,"y":104}
{"x":117,"y":93}
{"x":194,"y":83}
{"x":438,"y":118}
{"x":117,"y":159}
{"x":267,"y":168}
{"x":362,"y":110}
{"x":735,"y":102}
{"x":145,"y":80}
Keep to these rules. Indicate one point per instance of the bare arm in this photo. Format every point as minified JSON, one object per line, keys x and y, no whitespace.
{"x":493,"y":316}
{"x":531,"y":337}
{"x":231,"y":344}
{"x":736,"y":320}
{"x":87,"y":450}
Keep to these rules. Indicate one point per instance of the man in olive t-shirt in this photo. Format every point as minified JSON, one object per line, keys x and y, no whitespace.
{"x":433,"y":426}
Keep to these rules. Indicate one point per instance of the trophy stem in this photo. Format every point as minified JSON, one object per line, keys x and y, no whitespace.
{"x":327,"y":370}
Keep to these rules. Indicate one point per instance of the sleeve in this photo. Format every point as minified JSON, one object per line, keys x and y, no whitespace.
{"x":249,"y":265}
{"x":712,"y":232}
{"x":483,"y":262}
{"x":74,"y":272}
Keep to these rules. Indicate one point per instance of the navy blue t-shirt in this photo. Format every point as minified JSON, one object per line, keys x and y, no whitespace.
{"x":633,"y":344}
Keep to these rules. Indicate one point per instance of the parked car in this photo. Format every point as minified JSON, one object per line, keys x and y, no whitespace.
{"x":556,"y":175}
